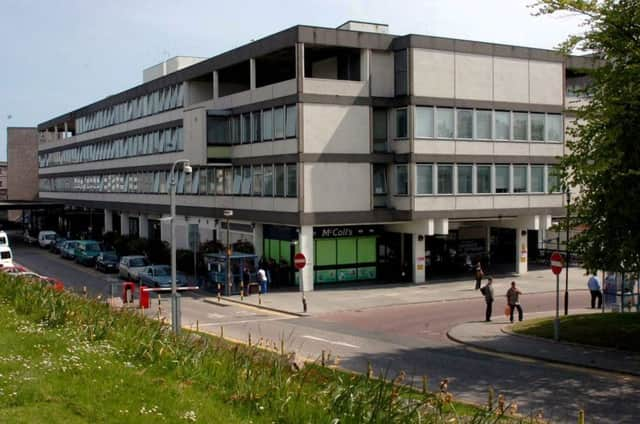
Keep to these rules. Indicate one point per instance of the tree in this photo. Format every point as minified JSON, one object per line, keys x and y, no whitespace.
{"x":603,"y":160}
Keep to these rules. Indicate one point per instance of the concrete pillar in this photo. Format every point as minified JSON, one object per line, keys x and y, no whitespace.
{"x":442,"y":226}
{"x":419,"y":259}
{"x":216,"y":85}
{"x":108,"y":221}
{"x":365,"y":56}
{"x":305,"y":242}
{"x":521,"y":251}
{"x":252,"y":74}
{"x":124,"y":224}
{"x":300,"y":67}
{"x":143,"y":226}
{"x":258,"y":238}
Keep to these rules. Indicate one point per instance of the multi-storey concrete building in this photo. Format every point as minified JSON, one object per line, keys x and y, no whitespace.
{"x":380,"y":157}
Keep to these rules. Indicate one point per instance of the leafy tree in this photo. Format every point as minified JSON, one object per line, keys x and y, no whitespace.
{"x":603,"y":159}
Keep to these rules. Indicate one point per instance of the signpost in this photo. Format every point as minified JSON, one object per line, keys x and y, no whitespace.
{"x":556,"y":267}
{"x":300,"y":261}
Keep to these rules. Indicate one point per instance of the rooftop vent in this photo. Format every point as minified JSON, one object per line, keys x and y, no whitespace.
{"x":365,"y":27}
{"x":168,"y":66}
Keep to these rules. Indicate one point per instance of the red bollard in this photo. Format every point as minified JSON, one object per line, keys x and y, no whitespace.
{"x":144,"y":298}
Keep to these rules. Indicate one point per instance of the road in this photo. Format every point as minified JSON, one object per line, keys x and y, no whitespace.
{"x":406,"y":337}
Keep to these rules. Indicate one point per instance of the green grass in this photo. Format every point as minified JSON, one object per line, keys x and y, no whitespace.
{"x":614,"y":330}
{"x":65,"y":359}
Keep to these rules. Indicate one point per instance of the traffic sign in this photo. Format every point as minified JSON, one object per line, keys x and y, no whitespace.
{"x":557,"y":263}
{"x":299,"y":260}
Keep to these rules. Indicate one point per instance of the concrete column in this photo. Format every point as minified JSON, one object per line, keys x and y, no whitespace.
{"x":252,"y":74}
{"x":258,"y":239}
{"x":124,"y":224}
{"x":521,"y":251}
{"x":300,"y":67}
{"x":108,"y":221}
{"x":419,"y":259}
{"x":365,"y":56}
{"x":216,"y":85}
{"x":143,"y":226}
{"x":305,"y":242}
{"x":442,"y":226}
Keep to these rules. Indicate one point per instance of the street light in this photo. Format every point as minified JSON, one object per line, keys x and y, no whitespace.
{"x":566,"y":283}
{"x":228,"y":214}
{"x":175,"y":297}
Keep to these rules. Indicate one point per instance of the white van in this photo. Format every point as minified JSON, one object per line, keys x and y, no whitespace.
{"x":4,"y":239}
{"x":45,"y":238}
{"x":6,"y":257}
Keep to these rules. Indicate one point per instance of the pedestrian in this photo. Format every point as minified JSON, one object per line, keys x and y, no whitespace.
{"x":595,"y":289}
{"x":487,"y":292}
{"x":262,"y":280}
{"x":478,"y":274}
{"x":513,"y":299}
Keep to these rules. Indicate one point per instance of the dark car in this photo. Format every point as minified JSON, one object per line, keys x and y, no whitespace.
{"x":107,"y":262}
{"x":68,"y":249}
{"x":57,"y":245}
{"x":86,"y":252}
{"x":160,"y":276}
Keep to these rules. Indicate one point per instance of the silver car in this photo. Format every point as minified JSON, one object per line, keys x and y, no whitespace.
{"x":130,"y":267}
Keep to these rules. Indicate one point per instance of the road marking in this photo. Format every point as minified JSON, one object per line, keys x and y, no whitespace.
{"x":245,"y":321}
{"x":215,"y":316}
{"x":320,"y":339}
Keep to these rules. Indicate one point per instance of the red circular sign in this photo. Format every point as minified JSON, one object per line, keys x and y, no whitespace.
{"x":557,"y":262}
{"x":299,"y":261}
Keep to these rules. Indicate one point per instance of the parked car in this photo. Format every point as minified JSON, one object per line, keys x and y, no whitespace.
{"x":107,"y":262}
{"x":46,"y":237}
{"x":57,"y":246}
{"x":130,"y":266}
{"x":29,"y":239}
{"x":68,"y":249}
{"x":86,"y":252}
{"x":4,"y":239}
{"x":6,"y":256}
{"x":160,"y":276}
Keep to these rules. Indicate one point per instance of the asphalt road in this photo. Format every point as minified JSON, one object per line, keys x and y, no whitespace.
{"x":410,"y":338}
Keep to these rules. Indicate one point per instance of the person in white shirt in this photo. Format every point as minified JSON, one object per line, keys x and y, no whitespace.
{"x":595,"y":289}
{"x":262,"y":280}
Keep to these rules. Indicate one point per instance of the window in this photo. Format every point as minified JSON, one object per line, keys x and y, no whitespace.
{"x":180,"y":187}
{"x":235,"y":129}
{"x":278,"y":123}
{"x":424,"y":179}
{"x":553,"y":179}
{"x":255,"y":119}
{"x":237,"y":179}
{"x":402,"y":180}
{"x":483,"y":178}
{"x":229,"y":181}
{"x":444,"y":122}
{"x":465,"y":123}
{"x":379,"y":179}
{"x":268,"y":180}
{"x":520,"y":126}
{"x":465,"y":179}
{"x":537,"y":179}
{"x":246,"y":180}
{"x":445,"y":179}
{"x":554,"y":127}
{"x":211,"y":180}
{"x":279,"y":171}
{"x":257,"y":180}
{"x":424,"y":122}
{"x":400,"y":72}
{"x":292,"y":180}
{"x":187,"y":183}
{"x":267,"y":125}
{"x":291,"y":121}
{"x":380,"y":130}
{"x":483,"y":124}
{"x":519,"y":178}
{"x":246,"y":128}
{"x":202,"y":183}
{"x":502,"y":178}
{"x":502,"y":124}
{"x":537,"y":126}
{"x":401,"y":123}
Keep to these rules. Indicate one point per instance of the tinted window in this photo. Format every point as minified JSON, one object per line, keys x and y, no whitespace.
{"x":138,"y":262}
{"x":5,"y":255}
{"x":163,"y":271}
{"x":93,"y":247}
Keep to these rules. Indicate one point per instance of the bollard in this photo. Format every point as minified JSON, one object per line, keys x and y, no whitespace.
{"x":159,"y":300}
{"x":249,"y":339}
{"x":281,"y":346}
{"x":241,"y":290}
{"x":581,"y":416}
{"x":369,"y":370}
{"x":218,"y":292}
{"x":260,"y":295}
{"x":425,"y":385}
{"x":84,"y":291}
{"x":197,"y":325}
{"x":322,"y":361}
{"x":490,"y":398}
{"x":304,"y":304}
{"x":221,"y":332}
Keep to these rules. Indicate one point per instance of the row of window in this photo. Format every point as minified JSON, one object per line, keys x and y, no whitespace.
{"x":161,"y":141}
{"x":258,"y":180}
{"x":447,"y":178}
{"x":480,"y":124}
{"x":253,"y":127}
{"x":158,"y":101}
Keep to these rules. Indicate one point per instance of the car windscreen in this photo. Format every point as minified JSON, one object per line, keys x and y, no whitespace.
{"x":110,"y":257}
{"x":3,"y":240}
{"x":93,"y":247}
{"x":138,"y":262}
{"x":162,"y":271}
{"x":50,"y":237}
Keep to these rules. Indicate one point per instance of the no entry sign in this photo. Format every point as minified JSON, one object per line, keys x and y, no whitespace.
{"x":556,"y":263}
{"x":299,"y":261}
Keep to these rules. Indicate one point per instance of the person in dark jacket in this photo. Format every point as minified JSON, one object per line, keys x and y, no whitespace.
{"x":478,"y":274}
{"x":487,"y":292}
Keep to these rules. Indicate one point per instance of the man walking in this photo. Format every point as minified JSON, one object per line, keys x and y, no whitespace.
{"x":487,"y":292}
{"x":594,"y":288}
{"x":513,"y":299}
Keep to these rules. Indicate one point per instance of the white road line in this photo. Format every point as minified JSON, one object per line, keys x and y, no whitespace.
{"x":320,"y":339}
{"x":213,"y":324}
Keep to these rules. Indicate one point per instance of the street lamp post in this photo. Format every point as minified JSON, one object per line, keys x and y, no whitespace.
{"x":228,"y":214}
{"x":566,"y":283}
{"x":175,"y":297}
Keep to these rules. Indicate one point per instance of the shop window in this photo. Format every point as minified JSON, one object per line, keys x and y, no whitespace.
{"x":325,"y":250}
{"x":346,"y":251}
{"x":366,"y":249}
{"x":424,"y":122}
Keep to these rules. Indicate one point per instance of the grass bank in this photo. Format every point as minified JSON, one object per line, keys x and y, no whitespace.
{"x":65,"y":359}
{"x":614,"y":330}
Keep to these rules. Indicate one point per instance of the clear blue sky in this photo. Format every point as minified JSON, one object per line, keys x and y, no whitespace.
{"x":60,"y":55}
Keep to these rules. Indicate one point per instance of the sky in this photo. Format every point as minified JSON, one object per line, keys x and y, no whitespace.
{"x":59,"y":55}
